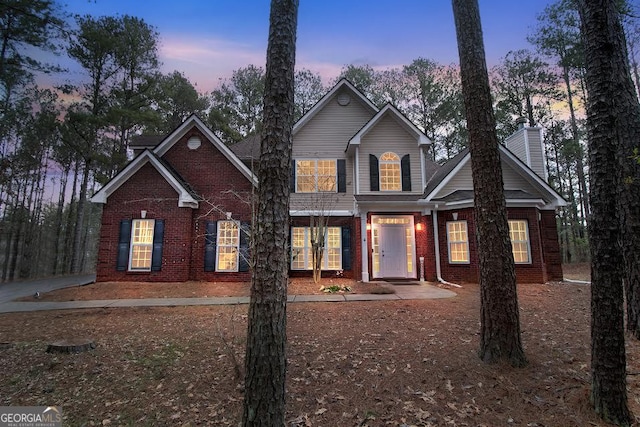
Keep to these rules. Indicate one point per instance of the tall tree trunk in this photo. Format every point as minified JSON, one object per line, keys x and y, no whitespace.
{"x":18,"y":243}
{"x":78,"y":247}
{"x":71,"y":225}
{"x":57,"y":227}
{"x":582,"y":181}
{"x":500,"y":319}
{"x":8,"y":249}
{"x":265,"y":360}
{"x":28,"y":264}
{"x":8,"y":214}
{"x":612,"y":117}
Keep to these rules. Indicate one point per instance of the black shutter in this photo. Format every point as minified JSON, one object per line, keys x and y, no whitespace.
{"x":292,"y":178}
{"x":342,"y":176}
{"x":156,"y":255}
{"x":123,"y":245}
{"x":374,"y":173}
{"x":245,"y":248}
{"x":405,"y":168}
{"x":346,"y":248}
{"x":210,"y":246}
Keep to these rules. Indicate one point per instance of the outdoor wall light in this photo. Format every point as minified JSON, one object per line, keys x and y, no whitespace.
{"x":419,"y":226}
{"x":368,"y":226}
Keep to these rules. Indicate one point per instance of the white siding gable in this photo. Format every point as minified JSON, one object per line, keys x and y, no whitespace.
{"x":388,"y":135}
{"x":325,"y":136}
{"x":463,"y":181}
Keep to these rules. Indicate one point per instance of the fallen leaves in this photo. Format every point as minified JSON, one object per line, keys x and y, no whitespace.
{"x":397,"y":363}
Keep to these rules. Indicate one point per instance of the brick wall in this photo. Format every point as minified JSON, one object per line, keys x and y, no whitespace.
{"x":534,"y":272}
{"x":458,"y":273}
{"x":425,"y":247}
{"x":224,"y":189}
{"x":148,"y":191}
{"x":544,"y":250}
{"x":550,"y":245}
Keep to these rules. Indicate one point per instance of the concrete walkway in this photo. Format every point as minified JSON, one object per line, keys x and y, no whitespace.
{"x":403,"y":292}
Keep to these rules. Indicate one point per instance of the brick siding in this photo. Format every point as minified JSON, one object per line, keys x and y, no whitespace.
{"x":211,"y":175}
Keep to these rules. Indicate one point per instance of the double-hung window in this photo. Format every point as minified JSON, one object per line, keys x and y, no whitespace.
{"x":458,"y":241}
{"x":227,"y":246}
{"x":313,"y":176}
{"x":141,"y":248}
{"x":301,"y":250}
{"x":519,"y":233}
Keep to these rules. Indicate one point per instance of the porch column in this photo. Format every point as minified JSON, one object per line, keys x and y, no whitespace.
{"x":364,"y":246}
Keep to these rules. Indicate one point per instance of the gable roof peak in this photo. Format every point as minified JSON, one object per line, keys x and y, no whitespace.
{"x":399,"y":117}
{"x":194,"y":121}
{"x":341,"y":85}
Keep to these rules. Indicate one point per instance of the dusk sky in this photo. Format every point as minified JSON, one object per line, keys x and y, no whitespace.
{"x":207,"y":40}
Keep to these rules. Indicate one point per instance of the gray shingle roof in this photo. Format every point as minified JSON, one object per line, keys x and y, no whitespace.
{"x":145,"y":141}
{"x":444,"y":170}
{"x":248,"y":148}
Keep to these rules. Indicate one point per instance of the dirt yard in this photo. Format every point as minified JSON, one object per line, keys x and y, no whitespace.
{"x":387,"y":363}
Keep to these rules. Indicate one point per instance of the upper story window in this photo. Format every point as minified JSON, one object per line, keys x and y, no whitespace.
{"x":141,"y":246}
{"x":313,"y":176}
{"x":390,"y":176}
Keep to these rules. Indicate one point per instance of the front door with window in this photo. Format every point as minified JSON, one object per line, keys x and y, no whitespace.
{"x":393,"y":260}
{"x":393,"y":247}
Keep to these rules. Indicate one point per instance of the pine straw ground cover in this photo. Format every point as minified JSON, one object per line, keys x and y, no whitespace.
{"x":384,"y":363}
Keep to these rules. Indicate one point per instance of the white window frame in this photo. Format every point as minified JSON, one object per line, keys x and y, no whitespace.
{"x":146,"y":242}
{"x":384,"y":186}
{"x":526,"y":241}
{"x":305,"y":250}
{"x":316,"y":176}
{"x":451,"y":242}
{"x":233,"y":246}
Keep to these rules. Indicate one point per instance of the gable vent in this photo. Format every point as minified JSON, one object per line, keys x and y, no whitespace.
{"x":194,"y":143}
{"x":344,"y":99}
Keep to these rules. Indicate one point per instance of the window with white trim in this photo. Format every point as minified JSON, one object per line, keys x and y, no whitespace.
{"x":228,"y":241}
{"x":141,"y":248}
{"x":301,"y":256}
{"x":458,"y":241}
{"x":314,"y":176}
{"x":519,"y":233}
{"x":390,"y":172}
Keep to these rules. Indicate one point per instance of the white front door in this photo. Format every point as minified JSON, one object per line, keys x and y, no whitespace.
{"x":393,"y":246}
{"x":393,"y":254}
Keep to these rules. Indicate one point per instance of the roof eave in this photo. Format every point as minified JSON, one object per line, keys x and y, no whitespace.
{"x":194,"y":120}
{"x":185,"y":199}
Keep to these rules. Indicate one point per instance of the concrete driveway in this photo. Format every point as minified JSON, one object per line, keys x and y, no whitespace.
{"x":12,"y":290}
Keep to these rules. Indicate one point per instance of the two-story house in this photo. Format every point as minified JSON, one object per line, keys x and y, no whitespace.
{"x":179,"y":211}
